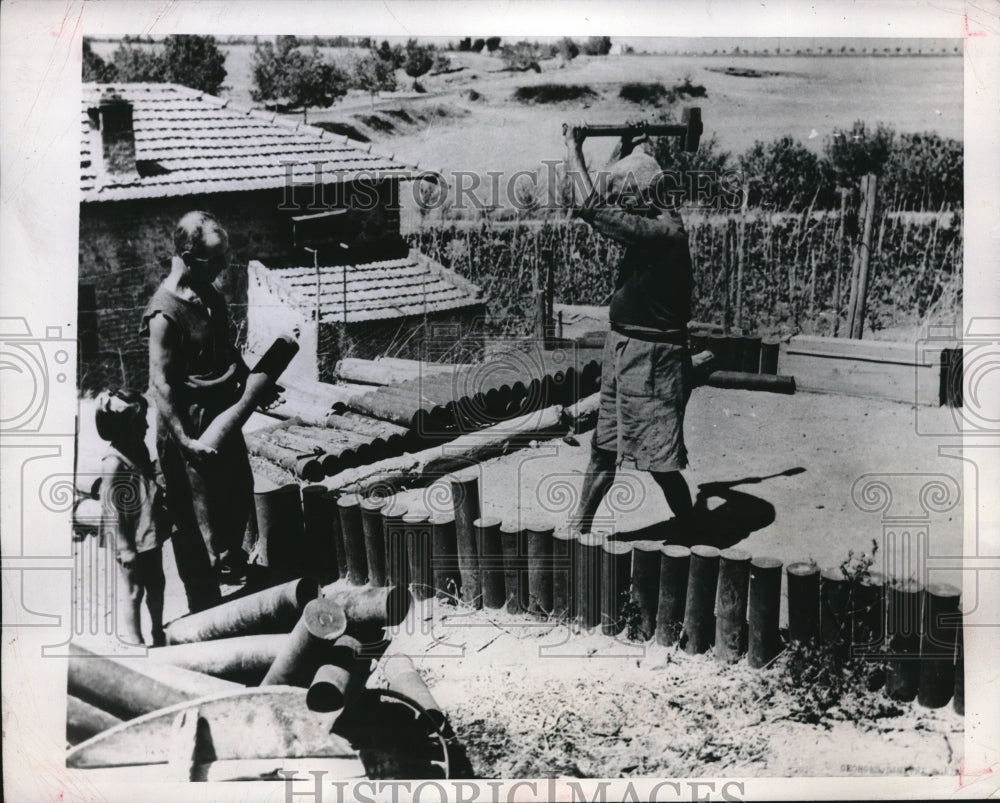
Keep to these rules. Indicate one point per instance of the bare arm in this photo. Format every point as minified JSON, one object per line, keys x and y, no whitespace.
{"x":634,"y":229}
{"x":164,"y":377}
{"x":119,"y":508}
{"x":575,"y":162}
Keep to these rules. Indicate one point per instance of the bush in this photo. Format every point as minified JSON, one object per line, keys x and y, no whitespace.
{"x":493,"y":44}
{"x":789,"y":268}
{"x":855,"y":153}
{"x":553,"y":93}
{"x":924,"y":171}
{"x":597,"y":46}
{"x":783,"y":174}
{"x":647,"y":93}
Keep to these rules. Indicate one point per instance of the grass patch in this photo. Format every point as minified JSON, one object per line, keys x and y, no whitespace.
{"x":344,"y":129}
{"x":376,"y":123}
{"x":553,"y":93}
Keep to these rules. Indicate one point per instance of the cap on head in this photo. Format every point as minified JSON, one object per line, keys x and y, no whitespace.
{"x":115,"y":409}
{"x":636,"y":174}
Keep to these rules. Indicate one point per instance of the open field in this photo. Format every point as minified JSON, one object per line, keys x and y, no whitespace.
{"x":810,"y":96}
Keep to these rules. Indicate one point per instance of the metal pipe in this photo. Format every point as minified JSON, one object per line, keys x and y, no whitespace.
{"x":769,"y":349}
{"x":941,"y":620}
{"x":903,"y":674}
{"x":349,"y":509}
{"x":323,"y":621}
{"x":540,"y":569}
{"x":84,"y":720}
{"x":750,"y":362}
{"x":319,"y":512}
{"x":281,"y":530}
{"x":765,"y":602}
{"x":402,"y":677}
{"x":371,"y":526}
{"x":616,"y":571}
{"x":444,"y":556}
{"x":589,"y":553}
{"x":646,"y":558}
{"x":128,"y":688}
{"x":465,"y":498}
{"x":369,"y":608}
{"x":340,"y":681}
{"x":397,"y":566}
{"x":731,"y":605}
{"x":958,"y":699}
{"x":738,"y":380}
{"x":491,"y":565}
{"x":243,"y":659}
{"x":675,"y":562}
{"x":835,"y":610}
{"x":868,"y":616}
{"x":803,"y":601}
{"x":273,"y":610}
{"x":418,"y":551}
{"x":699,"y":608}
{"x":563,"y":585}
{"x":330,"y":499}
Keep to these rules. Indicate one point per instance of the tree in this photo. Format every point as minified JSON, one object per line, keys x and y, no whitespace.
{"x":418,"y":60}
{"x":394,"y":55}
{"x":493,"y":44}
{"x":314,"y":82}
{"x":283,"y":73}
{"x":465,"y":44}
{"x":135,"y":63}
{"x":849,"y":155}
{"x":597,"y":46}
{"x":96,"y":69}
{"x":568,"y":49}
{"x":194,"y":61}
{"x":373,"y":74}
{"x":478,"y":45}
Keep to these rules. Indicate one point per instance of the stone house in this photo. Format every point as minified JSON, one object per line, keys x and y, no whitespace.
{"x":290,"y":195}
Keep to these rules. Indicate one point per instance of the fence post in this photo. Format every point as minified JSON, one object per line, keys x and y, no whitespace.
{"x":862,"y":257}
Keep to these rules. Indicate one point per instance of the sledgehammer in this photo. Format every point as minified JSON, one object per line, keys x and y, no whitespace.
{"x":689,"y":130}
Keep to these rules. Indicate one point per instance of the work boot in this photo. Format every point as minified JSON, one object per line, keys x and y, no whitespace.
{"x":230,"y":566}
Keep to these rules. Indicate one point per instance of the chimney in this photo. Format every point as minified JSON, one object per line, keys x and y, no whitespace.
{"x":112,"y":139}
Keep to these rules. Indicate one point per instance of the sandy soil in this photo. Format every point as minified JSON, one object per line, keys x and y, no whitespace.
{"x":536,"y":700}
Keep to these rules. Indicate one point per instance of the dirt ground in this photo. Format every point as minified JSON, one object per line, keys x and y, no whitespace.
{"x":536,"y":700}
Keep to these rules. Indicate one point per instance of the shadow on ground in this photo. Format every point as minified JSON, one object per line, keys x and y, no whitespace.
{"x":722,"y":526}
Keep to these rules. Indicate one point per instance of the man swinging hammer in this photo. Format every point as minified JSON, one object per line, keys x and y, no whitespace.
{"x":646,"y":374}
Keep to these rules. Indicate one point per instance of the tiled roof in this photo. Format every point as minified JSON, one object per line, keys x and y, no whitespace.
{"x":392,"y":288}
{"x":197,"y":143}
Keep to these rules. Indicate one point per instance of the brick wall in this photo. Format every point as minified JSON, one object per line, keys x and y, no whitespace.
{"x":126,"y":246}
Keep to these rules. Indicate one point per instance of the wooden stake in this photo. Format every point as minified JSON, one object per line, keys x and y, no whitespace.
{"x":803,"y":601}
{"x":765,"y":600}
{"x":616,"y":569}
{"x":646,"y":558}
{"x":731,"y":604}
{"x":699,"y":609}
{"x":941,"y":620}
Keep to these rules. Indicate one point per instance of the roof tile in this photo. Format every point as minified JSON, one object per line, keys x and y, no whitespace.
{"x":204,"y":144}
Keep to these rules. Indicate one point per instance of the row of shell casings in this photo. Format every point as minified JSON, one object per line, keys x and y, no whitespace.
{"x":480,"y":395}
{"x":312,"y":452}
{"x":750,"y":354}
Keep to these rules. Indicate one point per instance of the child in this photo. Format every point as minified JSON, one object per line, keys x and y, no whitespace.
{"x":131,"y":504}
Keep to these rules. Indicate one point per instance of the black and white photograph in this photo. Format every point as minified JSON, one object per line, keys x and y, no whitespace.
{"x":411,"y":402}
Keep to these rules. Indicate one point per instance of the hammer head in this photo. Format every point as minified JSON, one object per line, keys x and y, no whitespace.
{"x":691,"y":120}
